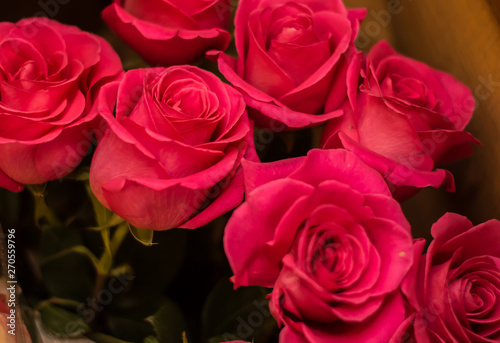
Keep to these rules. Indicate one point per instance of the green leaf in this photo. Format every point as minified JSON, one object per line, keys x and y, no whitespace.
{"x":69,"y":275}
{"x":58,"y":238}
{"x":68,"y":267}
{"x":169,"y":323}
{"x":147,"y":261}
{"x":78,"y":249}
{"x":62,"y":322}
{"x":229,"y":311}
{"x":143,"y":236}
{"x":151,"y":339}
{"x":135,"y":330}
{"x":67,"y":303}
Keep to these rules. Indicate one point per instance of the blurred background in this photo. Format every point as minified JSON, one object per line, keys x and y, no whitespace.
{"x":83,"y":13}
{"x":461,"y":38}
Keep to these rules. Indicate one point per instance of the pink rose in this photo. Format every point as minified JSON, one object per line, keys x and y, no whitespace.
{"x":170,"y":32}
{"x":405,"y":118}
{"x":293,"y":58}
{"x":324,"y":232}
{"x":171,"y":157}
{"x":454,"y":288}
{"x":50,"y":75}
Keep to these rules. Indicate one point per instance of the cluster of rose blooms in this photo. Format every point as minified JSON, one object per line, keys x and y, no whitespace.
{"x":175,"y":149}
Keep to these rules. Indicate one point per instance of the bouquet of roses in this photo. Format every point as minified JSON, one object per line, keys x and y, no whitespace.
{"x":283,"y":145}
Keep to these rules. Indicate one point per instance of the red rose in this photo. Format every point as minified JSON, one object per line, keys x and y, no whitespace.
{"x":170,"y":32}
{"x":50,"y":75}
{"x":293,"y":58}
{"x":455,"y":287}
{"x":325,"y":233}
{"x":171,"y":157}
{"x":405,"y":118}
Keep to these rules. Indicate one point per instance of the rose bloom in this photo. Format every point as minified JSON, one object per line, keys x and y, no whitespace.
{"x":171,"y":156}
{"x":50,"y":75}
{"x":454,"y":289}
{"x":324,"y":232}
{"x":170,"y":32}
{"x":405,"y":118}
{"x":293,"y":58}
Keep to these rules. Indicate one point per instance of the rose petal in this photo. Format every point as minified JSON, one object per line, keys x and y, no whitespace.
{"x":342,"y":166}
{"x":149,"y":208}
{"x":245,"y":233}
{"x":380,"y":327}
{"x":153,"y":41}
{"x":258,"y":174}
{"x":446,"y":146}
{"x":162,"y":13}
{"x":8,"y":183}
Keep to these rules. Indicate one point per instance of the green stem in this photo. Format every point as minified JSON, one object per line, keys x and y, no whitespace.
{"x":120,"y":234}
{"x":79,"y":249}
{"x":41,"y":208}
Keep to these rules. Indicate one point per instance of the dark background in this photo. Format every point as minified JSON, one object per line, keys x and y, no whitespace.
{"x":83,"y":13}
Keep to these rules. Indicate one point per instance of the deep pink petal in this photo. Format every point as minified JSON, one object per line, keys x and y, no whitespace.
{"x":246,"y":234}
{"x":257,"y":174}
{"x":396,"y":254}
{"x":57,"y":158}
{"x":18,"y":162}
{"x":386,"y":207}
{"x":113,"y":157}
{"x":149,"y":208}
{"x":8,"y":183}
{"x":413,"y":284}
{"x":342,"y":166}
{"x":446,"y":146}
{"x":378,"y":328}
{"x":400,"y":174}
{"x":160,"y":45}
{"x":162,"y":13}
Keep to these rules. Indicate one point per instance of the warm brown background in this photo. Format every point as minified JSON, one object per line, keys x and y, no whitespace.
{"x":461,"y":37}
